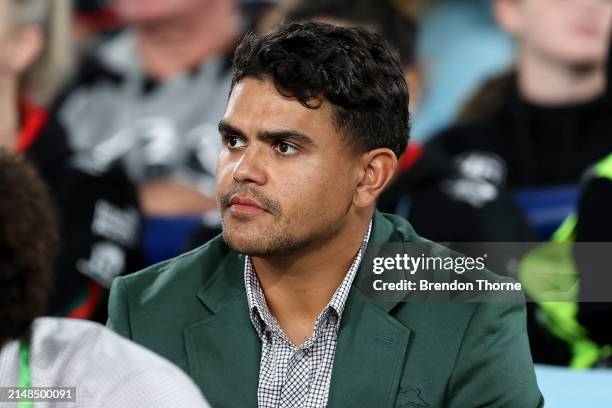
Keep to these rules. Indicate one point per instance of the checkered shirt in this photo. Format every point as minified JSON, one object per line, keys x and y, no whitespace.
{"x":291,"y":376}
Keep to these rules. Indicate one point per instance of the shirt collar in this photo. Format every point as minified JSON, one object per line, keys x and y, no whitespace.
{"x":262,"y":318}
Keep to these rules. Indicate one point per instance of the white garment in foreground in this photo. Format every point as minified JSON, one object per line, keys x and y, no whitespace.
{"x":107,"y":370}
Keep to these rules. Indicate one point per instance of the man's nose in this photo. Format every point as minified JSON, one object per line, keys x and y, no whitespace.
{"x":251,"y":166}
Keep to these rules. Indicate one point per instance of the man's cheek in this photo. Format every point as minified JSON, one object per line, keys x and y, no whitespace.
{"x":224,"y":174}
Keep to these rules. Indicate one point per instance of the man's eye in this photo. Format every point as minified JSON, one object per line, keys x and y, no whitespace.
{"x":286,"y":149}
{"x":234,"y":142}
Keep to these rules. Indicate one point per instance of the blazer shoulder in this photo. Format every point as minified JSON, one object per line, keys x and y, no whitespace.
{"x":191,"y":269}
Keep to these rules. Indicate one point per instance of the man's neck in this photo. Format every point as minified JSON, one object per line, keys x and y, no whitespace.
{"x":9,"y":127}
{"x":298,"y":287}
{"x":546,"y":82}
{"x":174,"y":46}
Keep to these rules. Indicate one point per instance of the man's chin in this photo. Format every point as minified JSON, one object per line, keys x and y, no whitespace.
{"x":252,"y":245}
{"x":259,"y":244}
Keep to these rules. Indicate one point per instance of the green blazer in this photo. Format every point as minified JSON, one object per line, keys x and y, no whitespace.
{"x":193,"y":311}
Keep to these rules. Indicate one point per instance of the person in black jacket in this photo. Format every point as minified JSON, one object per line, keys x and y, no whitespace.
{"x":550,"y":120}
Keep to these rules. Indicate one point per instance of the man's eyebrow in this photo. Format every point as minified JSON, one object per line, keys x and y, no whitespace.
{"x":226,"y":128}
{"x":287,"y":135}
{"x":269,"y":135}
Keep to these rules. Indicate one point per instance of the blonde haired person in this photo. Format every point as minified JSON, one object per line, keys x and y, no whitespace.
{"x":541,"y":125}
{"x":548,"y":121}
{"x":35,"y":55}
{"x":54,"y":53}
{"x":36,"y":59}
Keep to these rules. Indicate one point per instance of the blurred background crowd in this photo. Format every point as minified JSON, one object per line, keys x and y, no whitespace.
{"x":116,"y":103}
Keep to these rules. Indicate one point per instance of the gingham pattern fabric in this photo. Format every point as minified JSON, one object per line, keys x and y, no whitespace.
{"x":291,"y":376}
{"x":107,"y":370}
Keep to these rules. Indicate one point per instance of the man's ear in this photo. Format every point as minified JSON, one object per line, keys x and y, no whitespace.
{"x":508,"y":15}
{"x":27,"y":45}
{"x":378,"y":168}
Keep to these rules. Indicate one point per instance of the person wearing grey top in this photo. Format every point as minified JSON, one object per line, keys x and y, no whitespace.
{"x":151,"y":97}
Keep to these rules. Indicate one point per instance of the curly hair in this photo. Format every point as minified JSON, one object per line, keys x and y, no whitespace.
{"x":353,"y":69}
{"x":28,"y":245}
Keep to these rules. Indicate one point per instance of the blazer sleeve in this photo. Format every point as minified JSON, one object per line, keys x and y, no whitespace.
{"x":494,"y":367}
{"x":119,"y":310}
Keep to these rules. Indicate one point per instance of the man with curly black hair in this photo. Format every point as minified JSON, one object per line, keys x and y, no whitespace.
{"x":275,"y":312}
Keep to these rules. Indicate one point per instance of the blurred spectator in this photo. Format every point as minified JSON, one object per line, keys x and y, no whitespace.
{"x":152,"y":96}
{"x":547,"y":122}
{"x":107,"y":370}
{"x":573,"y":267}
{"x":459,"y":47}
{"x":542,"y":125}
{"x":98,"y":212}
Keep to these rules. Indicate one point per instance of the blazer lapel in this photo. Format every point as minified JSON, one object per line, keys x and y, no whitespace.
{"x":370,"y":356}
{"x":224,"y":349}
{"x":372,"y":345}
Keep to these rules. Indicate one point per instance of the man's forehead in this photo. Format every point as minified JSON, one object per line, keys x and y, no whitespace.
{"x":257,"y":104}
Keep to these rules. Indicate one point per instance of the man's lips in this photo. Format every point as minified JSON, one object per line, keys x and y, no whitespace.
{"x":244,"y":205}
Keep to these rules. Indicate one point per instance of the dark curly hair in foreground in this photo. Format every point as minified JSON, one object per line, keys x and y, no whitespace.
{"x":28,"y":246}
{"x":353,"y":69}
